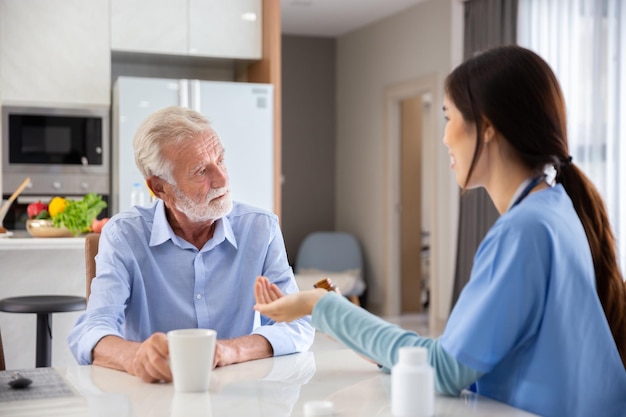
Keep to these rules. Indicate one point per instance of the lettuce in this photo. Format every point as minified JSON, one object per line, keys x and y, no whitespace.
{"x":79,"y":214}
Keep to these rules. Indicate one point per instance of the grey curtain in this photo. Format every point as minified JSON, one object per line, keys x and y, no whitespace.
{"x":488,"y":23}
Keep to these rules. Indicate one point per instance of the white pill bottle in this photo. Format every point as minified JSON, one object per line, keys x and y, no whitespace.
{"x":412,"y":384}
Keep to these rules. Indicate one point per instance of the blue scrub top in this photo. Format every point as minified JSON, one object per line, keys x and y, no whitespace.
{"x":530,"y":317}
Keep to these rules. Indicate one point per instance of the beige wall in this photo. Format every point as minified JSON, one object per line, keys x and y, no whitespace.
{"x":421,"y":41}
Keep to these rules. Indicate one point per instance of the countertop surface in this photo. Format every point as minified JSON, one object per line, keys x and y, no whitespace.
{"x":277,"y":387}
{"x":21,"y":239}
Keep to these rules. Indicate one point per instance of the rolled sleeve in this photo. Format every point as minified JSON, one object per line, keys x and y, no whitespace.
{"x":86,"y":334}
{"x":105,"y":313}
{"x":287,"y":338}
{"x":295,"y":336}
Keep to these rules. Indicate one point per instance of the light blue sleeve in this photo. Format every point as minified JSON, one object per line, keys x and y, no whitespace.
{"x":502,"y":307}
{"x":105,"y":311}
{"x":289,"y":337}
{"x":379,"y":340}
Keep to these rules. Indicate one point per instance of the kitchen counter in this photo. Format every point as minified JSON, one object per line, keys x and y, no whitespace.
{"x":21,"y":239}
{"x":39,"y":266}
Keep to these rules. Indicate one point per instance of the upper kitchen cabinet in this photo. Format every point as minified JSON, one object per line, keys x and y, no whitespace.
{"x":55,"y":52}
{"x":204,"y":28}
{"x":225,"y":29}
{"x":150,"y":26}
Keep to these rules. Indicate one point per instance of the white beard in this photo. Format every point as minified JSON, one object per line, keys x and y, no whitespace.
{"x":208,"y":209}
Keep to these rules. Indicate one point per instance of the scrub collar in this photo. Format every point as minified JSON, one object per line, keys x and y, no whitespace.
{"x":524,"y":189}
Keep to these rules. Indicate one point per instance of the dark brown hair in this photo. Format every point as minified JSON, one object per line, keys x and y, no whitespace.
{"x":518,"y":93}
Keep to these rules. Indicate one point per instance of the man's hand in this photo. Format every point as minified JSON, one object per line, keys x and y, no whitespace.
{"x":147,"y":360}
{"x":272,"y":303}
{"x":241,"y":349}
{"x":151,"y":360}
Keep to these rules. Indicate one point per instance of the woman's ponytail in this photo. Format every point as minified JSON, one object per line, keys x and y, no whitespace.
{"x":592,"y":212}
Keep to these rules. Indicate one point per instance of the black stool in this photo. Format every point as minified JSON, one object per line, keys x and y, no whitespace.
{"x":43,"y":306}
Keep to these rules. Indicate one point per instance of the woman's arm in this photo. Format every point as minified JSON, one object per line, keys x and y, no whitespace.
{"x":362,"y":331}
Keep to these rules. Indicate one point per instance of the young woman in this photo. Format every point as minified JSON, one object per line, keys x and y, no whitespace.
{"x":541,"y":325}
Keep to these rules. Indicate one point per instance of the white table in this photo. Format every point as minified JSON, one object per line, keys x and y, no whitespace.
{"x":273,"y":387}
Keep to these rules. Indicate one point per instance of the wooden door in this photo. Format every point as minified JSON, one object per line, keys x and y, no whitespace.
{"x":411,"y":204}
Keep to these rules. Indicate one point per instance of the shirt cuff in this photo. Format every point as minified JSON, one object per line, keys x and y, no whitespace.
{"x":83,"y":347}
{"x":287,"y":338}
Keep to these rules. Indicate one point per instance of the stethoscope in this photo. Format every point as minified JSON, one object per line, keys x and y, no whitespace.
{"x":532,"y":184}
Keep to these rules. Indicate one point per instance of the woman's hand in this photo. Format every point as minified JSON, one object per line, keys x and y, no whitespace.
{"x":272,"y":303}
{"x":265,"y":292}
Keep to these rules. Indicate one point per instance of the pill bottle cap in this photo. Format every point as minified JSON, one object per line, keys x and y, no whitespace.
{"x":413,"y":355}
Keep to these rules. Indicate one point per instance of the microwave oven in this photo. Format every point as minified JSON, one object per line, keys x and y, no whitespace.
{"x":63,"y":150}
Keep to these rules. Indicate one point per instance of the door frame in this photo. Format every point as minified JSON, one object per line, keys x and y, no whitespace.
{"x":425,"y":86}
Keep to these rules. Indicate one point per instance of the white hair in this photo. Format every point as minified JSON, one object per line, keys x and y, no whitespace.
{"x":165,"y":127}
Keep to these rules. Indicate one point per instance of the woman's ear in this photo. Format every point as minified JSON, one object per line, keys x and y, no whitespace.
{"x":489,"y":132}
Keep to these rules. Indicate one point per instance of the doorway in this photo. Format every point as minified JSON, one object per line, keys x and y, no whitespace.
{"x":411,"y":132}
{"x":410,"y":217}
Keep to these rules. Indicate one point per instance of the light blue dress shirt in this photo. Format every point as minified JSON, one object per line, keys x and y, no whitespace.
{"x":150,"y":280}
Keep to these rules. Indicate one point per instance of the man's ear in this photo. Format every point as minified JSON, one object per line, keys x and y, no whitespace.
{"x":155,"y":184}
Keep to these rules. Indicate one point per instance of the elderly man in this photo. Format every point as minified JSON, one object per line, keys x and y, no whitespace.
{"x":188,"y":260}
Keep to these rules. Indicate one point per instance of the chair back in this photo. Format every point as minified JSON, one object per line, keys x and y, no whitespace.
{"x":91,"y":250}
{"x":329,"y":251}
{"x":2,"y":364}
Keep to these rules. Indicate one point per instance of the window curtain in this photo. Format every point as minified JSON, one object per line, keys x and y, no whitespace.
{"x":488,"y":23}
{"x":584,"y":41}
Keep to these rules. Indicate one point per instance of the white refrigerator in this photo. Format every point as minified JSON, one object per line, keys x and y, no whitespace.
{"x":241,"y":114}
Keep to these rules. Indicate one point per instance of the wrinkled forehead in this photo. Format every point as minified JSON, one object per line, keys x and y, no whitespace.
{"x":211,"y":141}
{"x":207,"y":139}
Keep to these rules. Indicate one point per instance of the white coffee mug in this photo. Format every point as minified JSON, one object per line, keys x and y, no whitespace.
{"x":191,"y":358}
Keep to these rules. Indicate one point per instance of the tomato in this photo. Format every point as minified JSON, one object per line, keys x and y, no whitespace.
{"x":33,"y":209}
{"x":97,"y":225}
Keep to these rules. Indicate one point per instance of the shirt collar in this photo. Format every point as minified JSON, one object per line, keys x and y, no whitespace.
{"x":162,"y":231}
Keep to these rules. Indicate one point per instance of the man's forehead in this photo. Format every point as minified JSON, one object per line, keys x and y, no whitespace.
{"x":214,"y":144}
{"x":208,"y":140}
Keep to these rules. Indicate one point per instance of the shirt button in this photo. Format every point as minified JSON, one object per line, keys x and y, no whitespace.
{"x":198,"y":296}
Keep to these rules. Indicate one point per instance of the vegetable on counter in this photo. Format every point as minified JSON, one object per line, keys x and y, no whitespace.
{"x":78,"y":215}
{"x":37,"y":210}
{"x":97,"y":225}
{"x":57,"y":205}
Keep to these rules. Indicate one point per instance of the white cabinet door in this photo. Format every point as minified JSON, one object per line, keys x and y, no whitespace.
{"x":151,"y":26}
{"x":204,"y":28}
{"x":55,"y":52}
{"x":225,"y":29}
